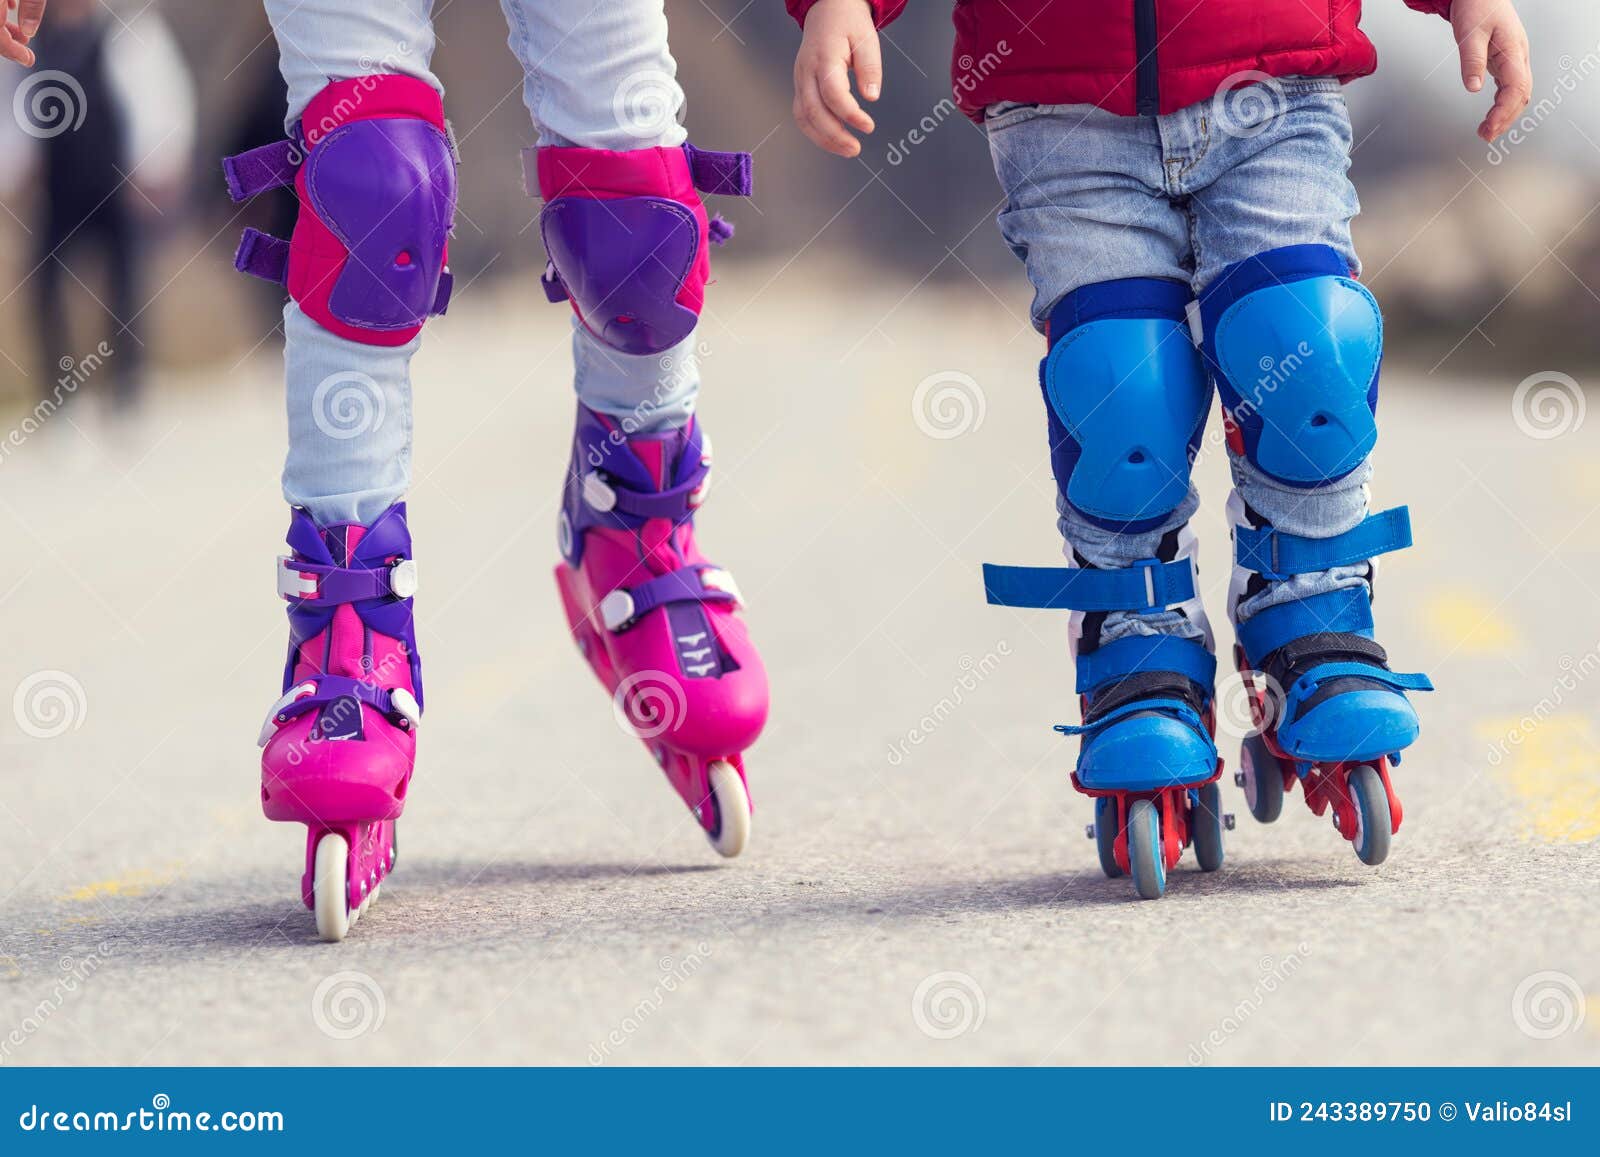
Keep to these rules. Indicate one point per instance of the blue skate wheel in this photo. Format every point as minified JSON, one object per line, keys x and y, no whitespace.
{"x":1105,"y":835}
{"x":1205,"y":828}
{"x":1261,"y":777}
{"x":1145,"y":862}
{"x":1374,"y":823}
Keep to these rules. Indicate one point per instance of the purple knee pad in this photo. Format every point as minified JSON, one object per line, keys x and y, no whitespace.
{"x":628,"y":236}
{"x":375,"y":170}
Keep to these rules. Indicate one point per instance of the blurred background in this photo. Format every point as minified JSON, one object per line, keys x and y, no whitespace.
{"x":1478,"y":254}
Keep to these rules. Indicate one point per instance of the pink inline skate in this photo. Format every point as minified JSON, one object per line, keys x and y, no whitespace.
{"x":661,"y":625}
{"x":340,"y":744}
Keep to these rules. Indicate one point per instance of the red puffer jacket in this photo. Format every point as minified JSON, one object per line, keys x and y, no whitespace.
{"x":1141,"y":56}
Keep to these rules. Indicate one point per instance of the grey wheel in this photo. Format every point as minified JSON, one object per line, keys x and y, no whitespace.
{"x":1105,"y":835}
{"x":1374,"y":823}
{"x":1263,"y":779}
{"x":1205,"y":828}
{"x":1145,"y":863}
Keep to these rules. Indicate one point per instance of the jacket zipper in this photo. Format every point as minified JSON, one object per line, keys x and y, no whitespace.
{"x":1148,"y":99}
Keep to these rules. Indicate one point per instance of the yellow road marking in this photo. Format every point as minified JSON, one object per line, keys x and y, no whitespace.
{"x":1462,"y":622}
{"x":1552,"y":768}
{"x":131,"y":884}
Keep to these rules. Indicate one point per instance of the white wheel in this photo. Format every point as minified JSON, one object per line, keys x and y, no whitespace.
{"x":733,"y":808}
{"x":329,"y":896}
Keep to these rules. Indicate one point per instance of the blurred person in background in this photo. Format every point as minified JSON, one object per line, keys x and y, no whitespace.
{"x":105,"y":122}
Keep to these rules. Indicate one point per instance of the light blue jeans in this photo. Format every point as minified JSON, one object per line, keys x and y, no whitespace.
{"x":1092,"y":197}
{"x":597,"y":75}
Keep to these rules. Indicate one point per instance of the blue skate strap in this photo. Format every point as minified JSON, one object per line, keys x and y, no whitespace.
{"x":1147,"y":585}
{"x":1135,"y":653}
{"x":1336,"y":612}
{"x":1275,"y":555}
{"x":1174,"y":707}
{"x":625,"y":606}
{"x":1401,"y":681}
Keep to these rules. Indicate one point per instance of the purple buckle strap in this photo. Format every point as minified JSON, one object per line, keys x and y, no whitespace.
{"x":335,"y":585}
{"x":396,"y":705}
{"x":676,"y":503}
{"x":721,"y":174}
{"x":255,"y":171}
{"x":625,"y":606}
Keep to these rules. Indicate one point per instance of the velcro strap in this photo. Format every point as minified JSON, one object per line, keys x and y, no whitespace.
{"x":721,"y":174}
{"x":1275,"y":555}
{"x":1346,"y":611}
{"x":699,"y":584}
{"x":396,"y":704}
{"x":257,"y":170}
{"x":318,"y":585}
{"x":1137,"y":653}
{"x":1175,"y":707}
{"x":1403,"y":681}
{"x":550,"y":282}
{"x":262,"y":256}
{"x":676,"y":503}
{"x":1148,"y":585}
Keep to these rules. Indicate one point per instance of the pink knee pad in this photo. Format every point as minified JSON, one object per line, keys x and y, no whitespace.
{"x":374,"y":166}
{"x":628,"y":237}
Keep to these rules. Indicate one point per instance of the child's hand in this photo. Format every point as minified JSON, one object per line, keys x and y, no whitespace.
{"x":839,"y":37}
{"x":1490,"y":34}
{"x":15,"y":33}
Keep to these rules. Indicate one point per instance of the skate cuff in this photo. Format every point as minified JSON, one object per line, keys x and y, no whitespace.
{"x":1140,"y":653}
{"x":622,"y":608}
{"x":1147,"y":586}
{"x":1276,"y":556}
{"x":317,"y":584}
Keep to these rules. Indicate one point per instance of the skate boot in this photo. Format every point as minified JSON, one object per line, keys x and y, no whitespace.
{"x":339,"y":746}
{"x":1328,"y":712}
{"x":1295,"y":345}
{"x":660,"y":625}
{"x":1146,"y":754}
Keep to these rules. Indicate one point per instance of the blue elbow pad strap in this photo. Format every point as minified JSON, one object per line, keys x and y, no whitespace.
{"x":1150,"y":585}
{"x":1275,"y":555}
{"x":1135,"y":653}
{"x":1346,"y":612}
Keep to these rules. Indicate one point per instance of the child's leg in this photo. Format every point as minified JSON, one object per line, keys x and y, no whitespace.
{"x":1125,"y":399}
{"x":1295,"y":345}
{"x":349,"y":399}
{"x":628,"y":238}
{"x":602,"y":77}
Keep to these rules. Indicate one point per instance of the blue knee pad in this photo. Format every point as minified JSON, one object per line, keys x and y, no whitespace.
{"x":1295,"y":345}
{"x":1126,"y":396}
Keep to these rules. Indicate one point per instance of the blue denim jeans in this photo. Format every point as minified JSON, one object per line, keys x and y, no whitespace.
{"x":596,"y":76}
{"x":1092,"y":197}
